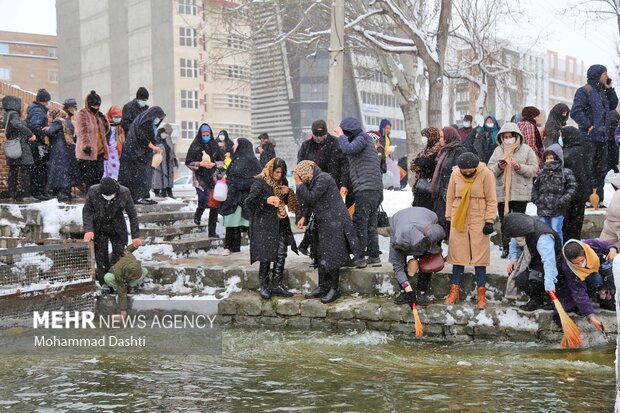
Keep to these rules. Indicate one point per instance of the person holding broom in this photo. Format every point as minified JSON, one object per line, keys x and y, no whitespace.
{"x":580,"y":269}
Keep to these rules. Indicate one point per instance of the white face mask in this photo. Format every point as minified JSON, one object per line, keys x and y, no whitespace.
{"x":490,"y":125}
{"x":424,"y":140}
{"x":584,"y":264}
{"x":510,"y":141}
{"x":108,"y":197}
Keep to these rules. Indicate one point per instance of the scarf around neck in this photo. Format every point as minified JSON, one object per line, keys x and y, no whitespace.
{"x":507,"y":178}
{"x":461,"y":211}
{"x":593,"y":263}
{"x":289,"y":199}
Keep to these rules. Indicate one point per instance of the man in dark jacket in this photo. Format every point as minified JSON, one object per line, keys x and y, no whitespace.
{"x":467,"y":129}
{"x":590,"y":110}
{"x":133,"y":108}
{"x":37,"y":123}
{"x":266,"y":149}
{"x":416,"y":233}
{"x":545,"y":249}
{"x":104,"y":221}
{"x":365,"y":175}
{"x":574,"y":159}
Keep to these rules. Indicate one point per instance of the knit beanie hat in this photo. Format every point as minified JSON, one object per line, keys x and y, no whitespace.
{"x":93,"y":99}
{"x":43,"y":96}
{"x":468,"y":160}
{"x":305,"y":171}
{"x":108,"y":186}
{"x":70,"y":102}
{"x":319,"y":128}
{"x":142,"y":93}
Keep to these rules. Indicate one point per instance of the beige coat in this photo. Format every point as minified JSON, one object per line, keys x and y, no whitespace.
{"x":522,"y":180}
{"x":611,"y":226}
{"x":471,"y":247}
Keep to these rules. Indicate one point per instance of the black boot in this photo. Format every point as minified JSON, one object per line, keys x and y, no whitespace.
{"x":333,"y":294}
{"x":322,"y":289}
{"x":169,"y":193}
{"x":199,"y":210}
{"x":535,"y":303}
{"x":263,"y":277}
{"x":277,"y":286}
{"x":212,"y":222}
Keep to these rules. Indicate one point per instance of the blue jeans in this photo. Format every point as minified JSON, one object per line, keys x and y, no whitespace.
{"x":556,"y":224}
{"x":458,"y":271}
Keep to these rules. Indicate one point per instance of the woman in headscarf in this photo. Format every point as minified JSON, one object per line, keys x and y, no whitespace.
{"x":514,"y":165}
{"x":203,"y":157}
{"x":451,"y":149}
{"x":484,"y":142}
{"x":62,"y":171}
{"x":531,"y":134}
{"x":558,"y":116}
{"x":116,"y":138}
{"x":136,"y":171}
{"x":270,"y":227}
{"x":225,"y":143}
{"x":334,"y":235}
{"x":423,"y":166}
{"x":471,"y":211}
{"x":240,"y":177}
{"x":163,"y":175}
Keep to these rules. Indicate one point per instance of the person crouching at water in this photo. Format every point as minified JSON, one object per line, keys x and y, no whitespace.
{"x":270,"y":227}
{"x":126,"y":273}
{"x":415,"y":232}
{"x":334,"y":234}
{"x":581,"y":269}
{"x":471,"y":207}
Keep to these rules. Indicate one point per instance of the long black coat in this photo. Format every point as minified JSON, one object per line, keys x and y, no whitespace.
{"x":16,"y":128}
{"x":240,"y":177}
{"x":100,"y":215}
{"x":335,"y":234}
{"x":62,"y":169}
{"x":329,"y":157}
{"x":264,"y":223}
{"x":136,"y":172}
{"x":446,"y":171}
{"x":131,"y":110}
{"x":574,"y":159}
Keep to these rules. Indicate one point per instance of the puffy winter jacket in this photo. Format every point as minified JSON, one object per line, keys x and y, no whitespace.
{"x":555,"y":186}
{"x":364,"y":168}
{"x":592,"y":104}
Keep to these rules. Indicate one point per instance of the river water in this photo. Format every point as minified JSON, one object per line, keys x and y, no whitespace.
{"x":277,"y":371}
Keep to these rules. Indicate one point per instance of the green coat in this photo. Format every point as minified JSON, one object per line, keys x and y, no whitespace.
{"x":126,"y":270}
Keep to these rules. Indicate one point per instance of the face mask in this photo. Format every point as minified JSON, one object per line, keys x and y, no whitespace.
{"x":520,"y":241}
{"x":490,"y":125}
{"x":584,"y":264}
{"x":319,"y":139}
{"x":142,"y":103}
{"x":221,"y":138}
{"x":164,"y":135}
{"x":116,"y":120}
{"x":424,"y":140}
{"x":466,"y":125}
{"x":510,"y":141}
{"x":94,"y":110}
{"x":560,"y":141}
{"x":348,"y":134}
{"x":108,"y":197}
{"x":469,"y":175}
{"x":206,"y":139}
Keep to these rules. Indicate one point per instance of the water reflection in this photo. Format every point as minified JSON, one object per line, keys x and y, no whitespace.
{"x":299,"y":371}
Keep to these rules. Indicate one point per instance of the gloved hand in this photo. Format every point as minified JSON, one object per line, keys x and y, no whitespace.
{"x":410,"y":296}
{"x":488,"y":229}
{"x":88,"y":151}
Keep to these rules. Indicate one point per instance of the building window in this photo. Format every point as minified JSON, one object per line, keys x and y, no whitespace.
{"x":238,"y":131}
{"x":188,"y":129}
{"x":189,"y":99}
{"x":236,"y":72}
{"x":238,"y":101}
{"x":51,"y":52}
{"x":187,"y":7}
{"x":53,"y":76}
{"x":5,"y":73}
{"x":189,"y":68}
{"x":235,"y":42}
{"x":187,"y":36}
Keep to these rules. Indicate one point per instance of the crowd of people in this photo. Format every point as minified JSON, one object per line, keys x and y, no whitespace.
{"x":464,"y":179}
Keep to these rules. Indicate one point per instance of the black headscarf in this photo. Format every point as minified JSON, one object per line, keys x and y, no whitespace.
{"x":244,"y":164}
{"x":194,"y":154}
{"x":141,"y":133}
{"x":555,"y":122}
{"x":228,"y":143}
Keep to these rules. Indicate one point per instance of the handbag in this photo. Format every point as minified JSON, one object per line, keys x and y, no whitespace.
{"x":430,"y":263}
{"x":13,"y":149}
{"x":382,"y":218}
{"x":423,"y":185}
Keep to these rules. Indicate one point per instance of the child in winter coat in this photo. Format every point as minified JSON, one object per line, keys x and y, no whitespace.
{"x":126,"y":273}
{"x":554,"y":188}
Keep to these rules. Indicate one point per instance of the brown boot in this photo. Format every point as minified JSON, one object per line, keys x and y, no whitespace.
{"x":453,"y":296}
{"x":482,"y":298}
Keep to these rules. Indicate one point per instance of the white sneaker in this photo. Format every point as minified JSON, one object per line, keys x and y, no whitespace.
{"x":226,"y":252}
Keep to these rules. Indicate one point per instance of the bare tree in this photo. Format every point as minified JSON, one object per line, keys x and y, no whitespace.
{"x":605,"y":9}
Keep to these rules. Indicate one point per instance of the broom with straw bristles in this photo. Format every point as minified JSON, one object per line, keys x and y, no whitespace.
{"x":572,"y":334}
{"x":419,"y":328}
